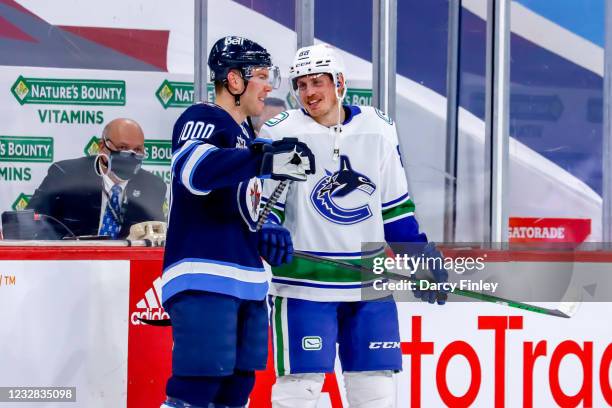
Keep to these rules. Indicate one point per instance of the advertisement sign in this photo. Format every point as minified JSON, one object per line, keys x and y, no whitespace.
{"x":571,"y":230}
{"x":149,"y":347}
{"x":81,"y":318}
{"x":59,"y":114}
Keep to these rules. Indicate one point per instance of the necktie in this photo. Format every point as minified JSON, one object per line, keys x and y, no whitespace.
{"x":110,"y":221}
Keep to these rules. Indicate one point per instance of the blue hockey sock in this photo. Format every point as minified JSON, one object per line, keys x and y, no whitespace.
{"x":235,"y":389}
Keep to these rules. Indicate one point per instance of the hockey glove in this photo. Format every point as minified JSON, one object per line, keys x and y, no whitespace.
{"x":285,"y":159}
{"x":275,"y":245}
{"x":435,"y":264}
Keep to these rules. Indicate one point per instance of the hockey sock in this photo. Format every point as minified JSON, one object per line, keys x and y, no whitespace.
{"x":198,"y":391}
{"x":235,"y":389}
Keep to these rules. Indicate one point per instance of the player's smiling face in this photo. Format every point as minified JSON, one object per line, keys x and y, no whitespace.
{"x":257,"y":90}
{"x":317,"y":95}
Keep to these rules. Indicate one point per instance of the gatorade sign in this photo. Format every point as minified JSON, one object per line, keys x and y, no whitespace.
{"x":548,"y":229}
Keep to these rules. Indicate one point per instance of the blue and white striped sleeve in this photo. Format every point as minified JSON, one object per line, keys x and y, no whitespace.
{"x":202,"y":167}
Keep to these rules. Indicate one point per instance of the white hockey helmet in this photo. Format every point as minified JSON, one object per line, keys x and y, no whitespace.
{"x":318,"y":59}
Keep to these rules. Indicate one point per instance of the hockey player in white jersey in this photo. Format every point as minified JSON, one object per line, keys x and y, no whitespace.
{"x":358,"y":194}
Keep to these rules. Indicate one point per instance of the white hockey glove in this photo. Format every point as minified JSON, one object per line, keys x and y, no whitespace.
{"x":285,"y":159}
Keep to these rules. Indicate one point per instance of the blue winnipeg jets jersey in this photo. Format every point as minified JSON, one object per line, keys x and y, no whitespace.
{"x":211,"y":242}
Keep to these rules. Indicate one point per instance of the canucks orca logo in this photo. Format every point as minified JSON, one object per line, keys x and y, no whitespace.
{"x":340,"y":184}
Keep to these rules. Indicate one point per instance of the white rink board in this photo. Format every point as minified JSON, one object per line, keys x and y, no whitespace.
{"x":64,"y":323}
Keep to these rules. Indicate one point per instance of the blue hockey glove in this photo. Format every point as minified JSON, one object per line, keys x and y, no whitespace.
{"x":275,"y":245}
{"x":435,"y":263}
{"x":285,"y":159}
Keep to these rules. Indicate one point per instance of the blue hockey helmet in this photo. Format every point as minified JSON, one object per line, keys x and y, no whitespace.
{"x":240,"y":53}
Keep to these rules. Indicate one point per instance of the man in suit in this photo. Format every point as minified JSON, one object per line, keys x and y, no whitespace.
{"x":105,"y":194}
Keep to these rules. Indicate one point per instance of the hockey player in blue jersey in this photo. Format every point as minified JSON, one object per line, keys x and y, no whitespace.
{"x":214,"y":281}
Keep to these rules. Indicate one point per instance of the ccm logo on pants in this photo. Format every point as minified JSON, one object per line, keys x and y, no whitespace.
{"x":384,"y":345}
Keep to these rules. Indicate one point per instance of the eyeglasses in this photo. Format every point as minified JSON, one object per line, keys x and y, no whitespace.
{"x":139,"y":151}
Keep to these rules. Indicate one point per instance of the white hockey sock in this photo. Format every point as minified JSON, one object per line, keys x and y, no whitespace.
{"x":297,"y":390}
{"x":370,"y":389}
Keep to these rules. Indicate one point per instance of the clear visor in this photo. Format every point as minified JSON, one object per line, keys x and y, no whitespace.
{"x":315,"y":78}
{"x":265,"y":75}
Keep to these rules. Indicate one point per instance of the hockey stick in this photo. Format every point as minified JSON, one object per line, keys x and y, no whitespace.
{"x":465,"y":293}
{"x":263,"y":216}
{"x":278,"y":191}
{"x":460,"y":292}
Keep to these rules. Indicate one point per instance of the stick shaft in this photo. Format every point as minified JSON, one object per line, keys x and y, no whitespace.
{"x":278,"y":191}
{"x":465,"y":293}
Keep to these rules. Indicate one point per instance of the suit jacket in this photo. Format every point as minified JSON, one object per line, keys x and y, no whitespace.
{"x":72,"y":193}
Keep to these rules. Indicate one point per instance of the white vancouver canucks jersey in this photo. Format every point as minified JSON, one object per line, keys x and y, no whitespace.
{"x":357,"y":195}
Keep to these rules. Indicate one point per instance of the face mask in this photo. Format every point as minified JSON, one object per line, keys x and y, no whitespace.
{"x":125,"y":164}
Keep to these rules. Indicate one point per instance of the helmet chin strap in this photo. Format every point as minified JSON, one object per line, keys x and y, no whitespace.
{"x":340,"y":97}
{"x":237,"y":96}
{"x":338,"y":127}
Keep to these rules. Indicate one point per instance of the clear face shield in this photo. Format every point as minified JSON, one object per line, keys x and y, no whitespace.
{"x":317,"y":81}
{"x":264,"y":75}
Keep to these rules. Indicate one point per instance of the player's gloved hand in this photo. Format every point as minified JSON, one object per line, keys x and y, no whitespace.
{"x":285,"y":159}
{"x":435,"y":263}
{"x":275,"y":245}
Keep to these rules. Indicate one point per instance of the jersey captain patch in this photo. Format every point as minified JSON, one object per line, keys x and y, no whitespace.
{"x":341,"y":183}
